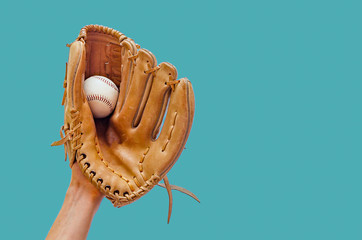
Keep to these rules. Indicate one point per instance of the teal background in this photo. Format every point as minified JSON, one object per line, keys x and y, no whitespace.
{"x":275,"y":149}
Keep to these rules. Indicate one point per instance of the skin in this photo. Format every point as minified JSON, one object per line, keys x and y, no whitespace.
{"x":81,"y":202}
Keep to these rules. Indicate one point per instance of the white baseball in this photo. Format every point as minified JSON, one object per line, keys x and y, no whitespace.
{"x":102,"y":95}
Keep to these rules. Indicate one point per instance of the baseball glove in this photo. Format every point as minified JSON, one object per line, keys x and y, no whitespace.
{"x":127,"y":153}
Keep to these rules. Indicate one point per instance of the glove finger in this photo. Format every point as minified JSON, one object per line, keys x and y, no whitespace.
{"x":157,"y":101}
{"x":75,"y":74}
{"x":175,"y":130}
{"x":129,"y":49}
{"x":139,"y":87}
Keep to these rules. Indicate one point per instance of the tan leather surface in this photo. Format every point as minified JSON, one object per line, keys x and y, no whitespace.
{"x":121,"y":154}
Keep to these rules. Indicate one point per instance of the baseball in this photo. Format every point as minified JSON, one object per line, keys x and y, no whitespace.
{"x":102,"y":95}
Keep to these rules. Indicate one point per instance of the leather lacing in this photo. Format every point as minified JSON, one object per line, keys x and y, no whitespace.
{"x":172,"y":83}
{"x":132,"y":57}
{"x":101,"y":29}
{"x":152,"y":70}
{"x":71,"y":135}
{"x":65,"y":84}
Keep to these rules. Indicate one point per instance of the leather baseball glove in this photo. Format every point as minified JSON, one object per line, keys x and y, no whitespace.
{"x":127,"y":153}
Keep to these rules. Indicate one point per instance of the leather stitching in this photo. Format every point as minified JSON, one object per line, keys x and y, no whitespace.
{"x":106,"y":164}
{"x":140,"y":166}
{"x":150,"y":183}
{"x":118,"y":201}
{"x":171,"y":131}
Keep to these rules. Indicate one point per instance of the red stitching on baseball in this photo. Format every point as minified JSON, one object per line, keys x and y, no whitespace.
{"x":108,"y":82}
{"x":97,"y":97}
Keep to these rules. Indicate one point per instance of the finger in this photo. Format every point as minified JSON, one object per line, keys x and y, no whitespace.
{"x":176,"y":128}
{"x":129,"y":49}
{"x":138,"y":90}
{"x":157,"y":101}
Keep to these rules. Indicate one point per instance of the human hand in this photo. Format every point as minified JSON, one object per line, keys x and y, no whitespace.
{"x":79,"y":184}
{"x":81,"y":202}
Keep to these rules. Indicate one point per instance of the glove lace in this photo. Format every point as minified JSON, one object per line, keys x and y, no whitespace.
{"x":172,"y":83}
{"x":71,"y":135}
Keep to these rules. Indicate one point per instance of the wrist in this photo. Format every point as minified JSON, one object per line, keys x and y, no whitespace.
{"x":79,"y":192}
{"x":81,"y":202}
{"x":81,"y":187}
